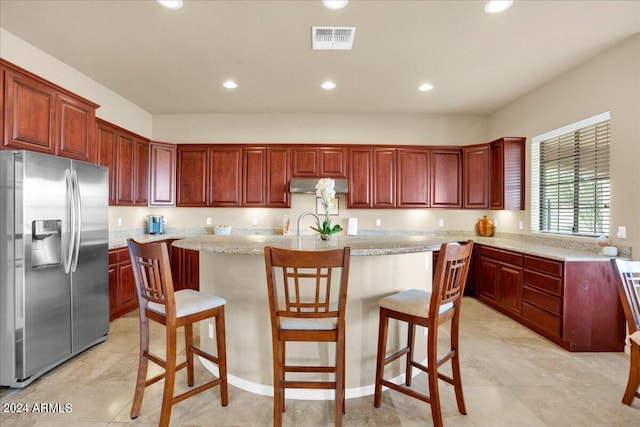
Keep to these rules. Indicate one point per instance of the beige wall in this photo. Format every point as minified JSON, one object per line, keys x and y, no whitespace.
{"x":402,"y":129}
{"x":608,"y":82}
{"x":113,"y":107}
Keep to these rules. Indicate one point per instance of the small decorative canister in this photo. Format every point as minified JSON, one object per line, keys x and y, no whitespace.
{"x":485,"y":227}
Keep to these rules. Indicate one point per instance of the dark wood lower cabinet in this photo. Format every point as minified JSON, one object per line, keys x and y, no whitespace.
{"x":122,"y":289}
{"x":572,"y":303}
{"x":185,"y":270}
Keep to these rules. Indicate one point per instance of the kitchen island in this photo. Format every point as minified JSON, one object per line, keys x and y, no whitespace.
{"x":232,"y":267}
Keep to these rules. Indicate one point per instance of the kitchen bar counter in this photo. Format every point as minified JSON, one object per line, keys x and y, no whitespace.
{"x":376,"y":245}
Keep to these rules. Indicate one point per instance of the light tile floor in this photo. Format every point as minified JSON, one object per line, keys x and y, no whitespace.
{"x":511,"y":377}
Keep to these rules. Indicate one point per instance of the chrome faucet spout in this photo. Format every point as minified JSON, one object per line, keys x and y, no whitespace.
{"x":302,"y":215}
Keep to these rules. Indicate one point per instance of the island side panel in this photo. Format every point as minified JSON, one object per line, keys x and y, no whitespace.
{"x":593,"y":316}
{"x":241,"y":280}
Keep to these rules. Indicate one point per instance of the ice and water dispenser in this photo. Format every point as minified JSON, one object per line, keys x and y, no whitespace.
{"x":46,"y":242}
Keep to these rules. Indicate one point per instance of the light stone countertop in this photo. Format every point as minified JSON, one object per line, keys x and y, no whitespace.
{"x":374,"y":245}
{"x":361,"y":245}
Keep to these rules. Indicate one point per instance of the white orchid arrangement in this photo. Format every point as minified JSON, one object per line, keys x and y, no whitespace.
{"x":325,"y":190}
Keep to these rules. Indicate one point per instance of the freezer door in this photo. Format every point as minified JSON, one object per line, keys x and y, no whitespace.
{"x":42,"y":288}
{"x":90,"y":276}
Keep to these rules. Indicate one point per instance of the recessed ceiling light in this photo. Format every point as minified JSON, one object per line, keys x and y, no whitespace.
{"x":171,"y":4}
{"x":497,"y":6}
{"x":328,"y":85}
{"x":335,"y":4}
{"x":230,"y":84}
{"x":425,"y":87}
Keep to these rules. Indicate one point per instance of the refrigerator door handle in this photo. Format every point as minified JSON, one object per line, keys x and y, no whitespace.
{"x":69,"y":244}
{"x":78,"y":220}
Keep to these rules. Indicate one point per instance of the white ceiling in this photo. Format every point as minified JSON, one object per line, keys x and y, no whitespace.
{"x":175,"y":61}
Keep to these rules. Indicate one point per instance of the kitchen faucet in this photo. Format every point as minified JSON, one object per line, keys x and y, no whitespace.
{"x":302,"y":215}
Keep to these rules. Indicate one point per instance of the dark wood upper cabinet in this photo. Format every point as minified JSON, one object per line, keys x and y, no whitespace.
{"x":192,"y":176}
{"x":360,"y":177}
{"x":106,"y":149}
{"x":476,"y":176}
{"x":225,"y":166}
{"x":40,"y":116}
{"x":446,"y":178}
{"x":232,"y":176}
{"x":507,"y":173}
{"x":319,"y":162}
{"x":76,"y":129}
{"x":412,"y":178}
{"x":30,"y":114}
{"x":254,"y":182}
{"x":384,"y":177}
{"x":125,"y":181}
{"x":162,"y":174}
{"x":266,"y":177}
{"x":141,"y":170}
{"x":278,"y":170}
{"x":127,"y":157}
{"x":333,"y":162}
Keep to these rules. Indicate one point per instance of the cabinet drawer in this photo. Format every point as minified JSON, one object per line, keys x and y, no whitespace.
{"x":123,"y":256}
{"x":113,"y":257}
{"x":490,"y":252}
{"x":540,"y":318}
{"x":542,"y":300}
{"x":543,"y":265}
{"x":544,"y":282}
{"x":511,"y":258}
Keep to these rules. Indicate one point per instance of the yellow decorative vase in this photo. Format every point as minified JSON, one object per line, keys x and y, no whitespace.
{"x":485,"y":227}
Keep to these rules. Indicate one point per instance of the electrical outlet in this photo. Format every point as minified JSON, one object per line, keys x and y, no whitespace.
{"x":378,"y":222}
{"x":119,"y":222}
{"x":622,"y":232}
{"x":208,"y":221}
{"x":211,"y":330}
{"x":441,"y":223}
{"x":520,"y":225}
{"x":254,"y":221}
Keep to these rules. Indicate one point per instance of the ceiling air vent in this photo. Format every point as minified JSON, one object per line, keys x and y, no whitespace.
{"x":332,"y":38}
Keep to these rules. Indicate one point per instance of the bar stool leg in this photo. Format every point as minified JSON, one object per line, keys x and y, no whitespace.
{"x":143,"y":363}
{"x":340,"y":378}
{"x":169,"y":379}
{"x":222,"y":356}
{"x":382,"y":348}
{"x":434,"y":392}
{"x":411,"y":333}
{"x":188,"y":343}
{"x":455,"y":368}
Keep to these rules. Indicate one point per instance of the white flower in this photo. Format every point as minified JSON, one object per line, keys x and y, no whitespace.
{"x":325,"y":189}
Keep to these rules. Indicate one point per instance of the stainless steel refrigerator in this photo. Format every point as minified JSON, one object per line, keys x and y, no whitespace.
{"x":54,"y":285}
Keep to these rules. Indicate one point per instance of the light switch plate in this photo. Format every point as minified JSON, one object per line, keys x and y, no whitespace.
{"x":622,"y":232}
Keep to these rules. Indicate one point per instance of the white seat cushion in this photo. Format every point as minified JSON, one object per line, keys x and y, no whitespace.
{"x":189,"y":302}
{"x":318,"y":324}
{"x":413,"y":301}
{"x":635,"y":337}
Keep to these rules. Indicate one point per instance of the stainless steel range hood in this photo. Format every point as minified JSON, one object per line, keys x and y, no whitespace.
{"x":308,"y":185}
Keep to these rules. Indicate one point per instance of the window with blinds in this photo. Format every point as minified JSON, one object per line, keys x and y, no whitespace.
{"x":570,"y":179}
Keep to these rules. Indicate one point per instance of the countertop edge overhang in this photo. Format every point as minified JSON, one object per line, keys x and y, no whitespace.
{"x":360,"y":245}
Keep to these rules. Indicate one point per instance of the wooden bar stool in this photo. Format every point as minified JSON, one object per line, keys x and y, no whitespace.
{"x":418,"y":307}
{"x":628,"y":284}
{"x":160,"y":303}
{"x":303,"y":308}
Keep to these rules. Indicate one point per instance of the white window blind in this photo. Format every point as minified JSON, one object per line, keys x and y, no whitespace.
{"x":570,"y":180}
